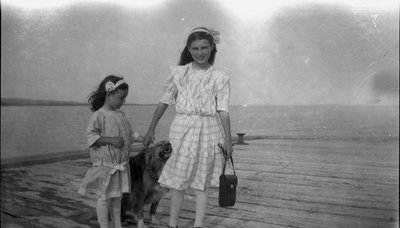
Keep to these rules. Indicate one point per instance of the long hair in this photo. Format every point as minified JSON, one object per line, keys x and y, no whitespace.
{"x":97,"y":98}
{"x":186,"y":57}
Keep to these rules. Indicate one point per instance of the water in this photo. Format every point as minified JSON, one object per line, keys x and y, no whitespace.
{"x":34,"y":130}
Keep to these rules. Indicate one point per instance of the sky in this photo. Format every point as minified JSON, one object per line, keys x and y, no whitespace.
{"x":288,"y":53}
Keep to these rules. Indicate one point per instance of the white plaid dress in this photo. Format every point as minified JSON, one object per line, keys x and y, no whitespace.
{"x":195,"y":132}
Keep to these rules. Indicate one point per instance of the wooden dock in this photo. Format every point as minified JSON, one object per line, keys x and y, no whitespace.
{"x":282,"y":183}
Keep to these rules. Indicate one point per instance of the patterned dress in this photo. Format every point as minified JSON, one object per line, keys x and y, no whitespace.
{"x":109,"y":176}
{"x":195,"y":132}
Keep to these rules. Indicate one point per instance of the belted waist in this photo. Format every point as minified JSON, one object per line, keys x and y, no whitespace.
{"x":195,"y":115}
{"x":114,"y":167}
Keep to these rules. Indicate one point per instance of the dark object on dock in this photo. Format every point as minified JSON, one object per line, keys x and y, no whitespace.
{"x":227,"y":183}
{"x":240,"y":139}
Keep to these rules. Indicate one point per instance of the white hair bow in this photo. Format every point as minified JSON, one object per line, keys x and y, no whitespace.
{"x":110,"y":86}
{"x":215,"y":35}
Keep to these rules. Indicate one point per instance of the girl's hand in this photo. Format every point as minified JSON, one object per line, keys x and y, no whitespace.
{"x":148,"y":138}
{"x":139,"y":139}
{"x":225,"y":151}
{"x":228,"y":147}
{"x":117,"y":141}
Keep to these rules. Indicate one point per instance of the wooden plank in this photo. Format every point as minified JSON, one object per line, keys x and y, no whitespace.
{"x":282,"y":183}
{"x":266,"y":216}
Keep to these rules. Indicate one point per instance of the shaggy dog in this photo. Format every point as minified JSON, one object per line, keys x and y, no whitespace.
{"x":145,"y":170}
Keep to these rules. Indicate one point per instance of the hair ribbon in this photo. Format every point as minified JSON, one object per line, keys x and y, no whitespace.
{"x":214,"y":33}
{"x":110,"y":86}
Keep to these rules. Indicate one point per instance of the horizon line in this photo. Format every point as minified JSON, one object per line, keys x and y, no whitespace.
{"x":39,"y":102}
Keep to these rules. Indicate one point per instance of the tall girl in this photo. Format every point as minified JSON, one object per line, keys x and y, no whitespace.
{"x":201,"y":95}
{"x":109,"y":137}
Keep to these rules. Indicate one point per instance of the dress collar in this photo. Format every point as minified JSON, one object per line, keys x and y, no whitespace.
{"x":205,"y":71}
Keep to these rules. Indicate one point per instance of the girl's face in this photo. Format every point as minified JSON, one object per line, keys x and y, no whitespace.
{"x":117,"y":99}
{"x":200,"y":51}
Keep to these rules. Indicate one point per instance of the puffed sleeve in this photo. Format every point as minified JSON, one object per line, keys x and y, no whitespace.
{"x":223,"y":93}
{"x":170,"y":89}
{"x":93,"y":129}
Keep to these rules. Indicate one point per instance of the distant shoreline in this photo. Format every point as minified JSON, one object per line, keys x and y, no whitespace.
{"x":32,"y":102}
{"x":28,"y":102}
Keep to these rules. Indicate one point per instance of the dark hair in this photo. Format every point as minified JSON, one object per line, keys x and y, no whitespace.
{"x":97,"y":98}
{"x":186,"y":57}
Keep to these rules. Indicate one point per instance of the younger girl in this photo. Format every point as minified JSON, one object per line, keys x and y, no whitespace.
{"x":109,"y":136}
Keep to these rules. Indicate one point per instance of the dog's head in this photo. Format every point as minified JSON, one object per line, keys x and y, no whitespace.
{"x":157,"y":155}
{"x":162,"y":150}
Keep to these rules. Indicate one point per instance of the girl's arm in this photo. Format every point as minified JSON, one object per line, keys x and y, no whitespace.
{"x":93,"y":133}
{"x":161,"y":107}
{"x":226,"y":124}
{"x":115,"y":141}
